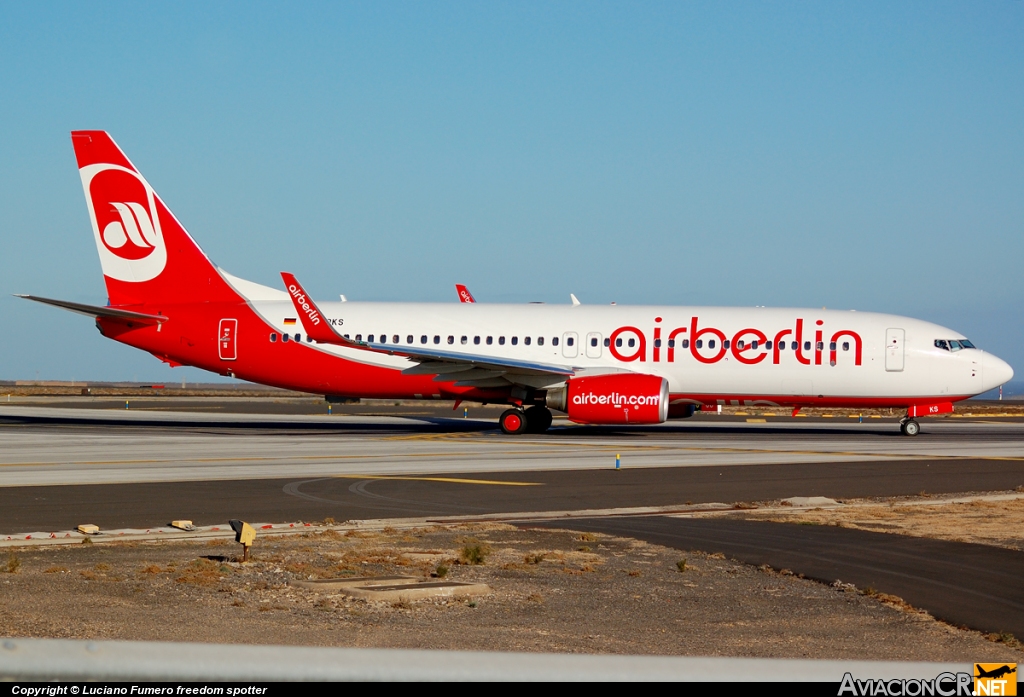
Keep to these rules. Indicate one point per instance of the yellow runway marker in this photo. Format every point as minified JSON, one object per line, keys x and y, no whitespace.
{"x":449,"y":480}
{"x":757,"y":421}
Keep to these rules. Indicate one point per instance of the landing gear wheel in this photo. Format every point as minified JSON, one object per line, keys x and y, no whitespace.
{"x":538,"y":419}
{"x":910,"y":428}
{"x":512,"y":421}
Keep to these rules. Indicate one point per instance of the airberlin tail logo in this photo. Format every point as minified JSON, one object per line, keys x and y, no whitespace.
{"x":300,"y":301}
{"x":122,"y":207}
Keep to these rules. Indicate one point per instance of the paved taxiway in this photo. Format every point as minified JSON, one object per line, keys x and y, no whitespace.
{"x":971,"y":585}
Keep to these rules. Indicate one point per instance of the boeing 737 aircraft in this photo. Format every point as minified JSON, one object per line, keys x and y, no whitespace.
{"x":612,"y":364}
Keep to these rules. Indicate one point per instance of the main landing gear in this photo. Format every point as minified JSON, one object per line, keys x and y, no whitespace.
{"x":909,"y":427}
{"x":536,"y":419}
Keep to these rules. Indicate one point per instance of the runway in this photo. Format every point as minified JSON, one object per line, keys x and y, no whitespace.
{"x":71,"y":447}
{"x":63,"y":467}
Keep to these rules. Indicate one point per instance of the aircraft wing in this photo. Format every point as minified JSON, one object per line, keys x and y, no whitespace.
{"x":465,"y":369}
{"x":98,"y":311}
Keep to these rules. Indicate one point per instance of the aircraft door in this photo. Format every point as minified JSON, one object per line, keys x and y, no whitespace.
{"x":570,"y":344}
{"x":894,"y":341}
{"x":593,"y":345}
{"x":226,"y":339}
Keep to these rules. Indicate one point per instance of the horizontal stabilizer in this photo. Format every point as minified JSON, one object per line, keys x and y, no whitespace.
{"x":98,"y":311}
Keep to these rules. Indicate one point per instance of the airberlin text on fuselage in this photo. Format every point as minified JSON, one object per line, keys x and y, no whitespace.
{"x":748,"y":346}
{"x":310,"y":311}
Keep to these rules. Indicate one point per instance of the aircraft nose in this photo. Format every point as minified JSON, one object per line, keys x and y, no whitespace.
{"x":996,"y":371}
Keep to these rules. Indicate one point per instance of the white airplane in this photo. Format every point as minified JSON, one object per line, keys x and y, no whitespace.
{"x":612,"y":364}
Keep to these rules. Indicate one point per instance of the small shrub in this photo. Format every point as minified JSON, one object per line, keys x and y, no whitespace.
{"x":587,"y":537}
{"x":534,"y":558}
{"x":681,"y":565}
{"x":474,"y":554}
{"x":86,"y":540}
{"x":441,"y":571}
{"x":13,"y":563}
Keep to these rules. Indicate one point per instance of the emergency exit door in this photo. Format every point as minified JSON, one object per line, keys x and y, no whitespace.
{"x":227,"y":339}
{"x":894,"y":340}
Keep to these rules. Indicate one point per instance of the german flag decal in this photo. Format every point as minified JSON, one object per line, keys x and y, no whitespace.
{"x":289,"y":320}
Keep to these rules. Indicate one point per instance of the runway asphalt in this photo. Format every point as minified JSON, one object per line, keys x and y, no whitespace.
{"x":143,"y":469}
{"x":971,"y":585}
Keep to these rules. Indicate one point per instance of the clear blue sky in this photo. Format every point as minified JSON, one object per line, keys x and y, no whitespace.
{"x":850,"y":155}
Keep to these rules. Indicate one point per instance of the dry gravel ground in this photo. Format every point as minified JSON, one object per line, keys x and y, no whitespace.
{"x":556,"y":591}
{"x":998,"y":523}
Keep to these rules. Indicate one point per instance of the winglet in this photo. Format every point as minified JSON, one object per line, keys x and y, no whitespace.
{"x":313,"y":322}
{"x":575,"y":302}
{"x":464,"y":294}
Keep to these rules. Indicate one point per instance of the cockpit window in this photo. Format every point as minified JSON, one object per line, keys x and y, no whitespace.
{"x":953,"y":344}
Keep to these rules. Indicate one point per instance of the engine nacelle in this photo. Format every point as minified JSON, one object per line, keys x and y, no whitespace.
{"x":618,"y":398}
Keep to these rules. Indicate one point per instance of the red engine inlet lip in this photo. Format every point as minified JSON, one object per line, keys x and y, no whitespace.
{"x":620,"y":398}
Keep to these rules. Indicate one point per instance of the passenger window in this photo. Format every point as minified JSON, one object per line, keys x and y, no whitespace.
{"x":846,"y":345}
{"x":793,"y":346}
{"x":423,"y":339}
{"x":631,"y":342}
{"x":273,"y":337}
{"x":820,"y":345}
{"x":699,"y":343}
{"x":657,"y":343}
{"x":369,"y":339}
{"x":526,"y":340}
{"x":408,"y":339}
{"x":476,"y":340}
{"x":686,"y":343}
{"x":739,"y":345}
{"x":807,"y":346}
{"x":501,"y":341}
{"x":570,"y":341}
{"x":554,"y":341}
{"x":437,"y":339}
{"x":383,"y":338}
{"x":768,"y":345}
{"x":832,"y":346}
{"x":464,"y":340}
{"x":359,"y":337}
{"x":298,"y":337}
{"x":671,"y":343}
{"x":451,"y":339}
{"x":753,"y":344}
{"x":284,"y":338}
{"x":515,"y":341}
{"x":618,"y":343}
{"x":346,"y":336}
{"x":540,"y":341}
{"x":711,"y":343}
{"x":725,"y":344}
{"x":490,"y":340}
{"x":607,"y":342}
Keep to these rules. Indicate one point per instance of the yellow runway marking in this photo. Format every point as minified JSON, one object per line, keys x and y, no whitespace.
{"x":450,"y":480}
{"x":757,"y":421}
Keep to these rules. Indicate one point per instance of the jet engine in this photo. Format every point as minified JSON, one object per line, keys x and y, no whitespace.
{"x":618,"y":398}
